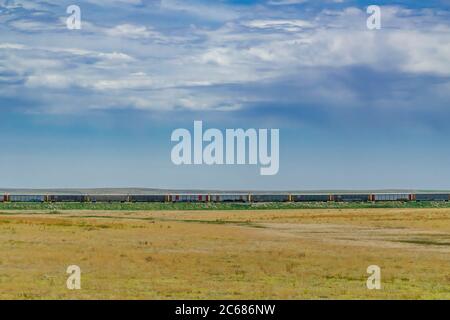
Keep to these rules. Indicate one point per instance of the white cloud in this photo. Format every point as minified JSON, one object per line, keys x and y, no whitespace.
{"x":14,"y":46}
{"x":280,"y":24}
{"x":131,"y":31}
{"x":57,"y":81}
{"x":204,"y":10}
{"x":285,"y":2}
{"x":116,"y":56}
{"x":422,"y":52}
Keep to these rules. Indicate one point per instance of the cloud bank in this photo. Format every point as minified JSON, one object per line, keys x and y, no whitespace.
{"x":166,"y":56}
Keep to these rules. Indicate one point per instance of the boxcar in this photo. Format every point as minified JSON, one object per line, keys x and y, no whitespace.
{"x":392,"y":197}
{"x":67,"y":198}
{"x":432,"y":197}
{"x":310,"y":197}
{"x":147,"y":198}
{"x":351,"y":197}
{"x":189,"y":198}
{"x":270,"y":198}
{"x":108,"y":198}
{"x":229,"y":198}
{"x":26,"y":198}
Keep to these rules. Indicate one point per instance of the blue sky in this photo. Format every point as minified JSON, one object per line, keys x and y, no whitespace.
{"x":96,"y":107}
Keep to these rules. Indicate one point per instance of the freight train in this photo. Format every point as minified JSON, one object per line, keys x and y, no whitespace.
{"x":232,"y":197}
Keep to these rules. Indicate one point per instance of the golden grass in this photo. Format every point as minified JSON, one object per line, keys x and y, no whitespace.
{"x":277,"y":254}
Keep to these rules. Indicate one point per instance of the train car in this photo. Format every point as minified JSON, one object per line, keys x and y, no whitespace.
{"x":3,"y":198}
{"x":147,"y":198}
{"x":107,"y":198}
{"x":229,"y":198}
{"x":270,"y":198}
{"x":67,"y":198}
{"x":310,"y":197}
{"x":392,"y":197}
{"x":189,"y":198}
{"x":351,"y":197}
{"x":432,"y":197}
{"x":26,"y":198}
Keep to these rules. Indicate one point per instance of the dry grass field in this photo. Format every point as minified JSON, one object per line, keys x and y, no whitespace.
{"x":273,"y":254}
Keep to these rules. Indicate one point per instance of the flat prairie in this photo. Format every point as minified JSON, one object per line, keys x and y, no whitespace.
{"x":261,"y":254}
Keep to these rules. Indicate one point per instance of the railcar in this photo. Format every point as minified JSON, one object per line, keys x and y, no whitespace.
{"x":148,"y":198}
{"x":26,"y":198}
{"x":189,"y":198}
{"x":107,"y":198}
{"x":229,"y":198}
{"x":432,"y":197}
{"x":311,"y":197}
{"x":67,"y":198}
{"x":351,"y":197}
{"x":392,"y":197}
{"x":270,"y":198}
